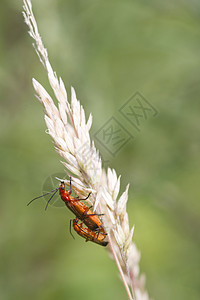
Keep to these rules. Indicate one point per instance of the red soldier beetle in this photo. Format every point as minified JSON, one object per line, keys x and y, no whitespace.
{"x":89,"y":235}
{"x":82,"y":211}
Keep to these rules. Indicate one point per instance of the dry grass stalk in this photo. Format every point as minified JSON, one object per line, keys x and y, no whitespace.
{"x":69,"y":130}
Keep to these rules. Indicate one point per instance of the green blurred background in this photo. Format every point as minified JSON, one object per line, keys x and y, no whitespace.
{"x":107,"y":50}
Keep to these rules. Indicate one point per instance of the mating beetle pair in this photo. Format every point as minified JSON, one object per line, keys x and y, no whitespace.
{"x":93,"y":230}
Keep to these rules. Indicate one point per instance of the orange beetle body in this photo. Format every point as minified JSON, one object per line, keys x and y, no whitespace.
{"x":88,"y":234}
{"x":81,"y":210}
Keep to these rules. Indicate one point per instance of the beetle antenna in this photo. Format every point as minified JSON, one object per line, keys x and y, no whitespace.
{"x":41,"y":196}
{"x":51,"y":198}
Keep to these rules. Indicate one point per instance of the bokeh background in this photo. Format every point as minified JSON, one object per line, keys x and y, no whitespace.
{"x":107,"y":50}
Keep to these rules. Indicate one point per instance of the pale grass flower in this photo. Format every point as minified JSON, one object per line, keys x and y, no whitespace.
{"x":69,"y":130}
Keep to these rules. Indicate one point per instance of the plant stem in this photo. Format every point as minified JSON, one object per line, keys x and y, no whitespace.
{"x":121,"y":272}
